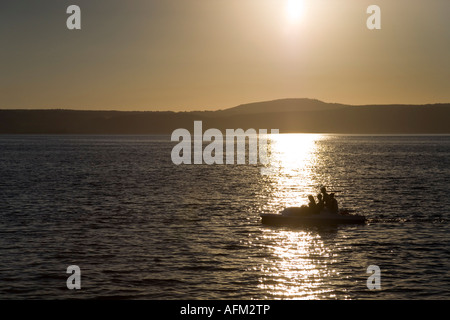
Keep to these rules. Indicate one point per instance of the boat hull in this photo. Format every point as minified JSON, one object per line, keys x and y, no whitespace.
{"x":318,"y":219}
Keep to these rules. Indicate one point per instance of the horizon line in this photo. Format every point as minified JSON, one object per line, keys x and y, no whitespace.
{"x":216,"y":110}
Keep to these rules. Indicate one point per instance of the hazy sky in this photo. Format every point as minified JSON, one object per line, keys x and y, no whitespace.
{"x":212,"y":54}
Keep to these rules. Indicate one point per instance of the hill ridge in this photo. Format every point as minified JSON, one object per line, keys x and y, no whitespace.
{"x":287,"y":115}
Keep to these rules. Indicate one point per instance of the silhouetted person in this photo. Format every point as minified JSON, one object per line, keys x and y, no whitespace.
{"x":312,"y":205}
{"x":320,"y":203}
{"x":333,"y":207}
{"x":326,"y":197}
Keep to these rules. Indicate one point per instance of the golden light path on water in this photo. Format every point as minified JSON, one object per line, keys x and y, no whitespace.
{"x":293,"y":158}
{"x":298,"y":262}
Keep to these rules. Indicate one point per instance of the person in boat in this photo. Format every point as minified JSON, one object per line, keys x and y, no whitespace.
{"x":325,"y":195}
{"x":333,"y":204}
{"x":312,"y":205}
{"x":320,"y":203}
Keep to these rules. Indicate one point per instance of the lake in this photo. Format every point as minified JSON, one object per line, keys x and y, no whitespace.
{"x":140,"y":227}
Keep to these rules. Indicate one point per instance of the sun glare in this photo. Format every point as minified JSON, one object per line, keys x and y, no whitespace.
{"x":292,"y":157}
{"x":294,"y":10}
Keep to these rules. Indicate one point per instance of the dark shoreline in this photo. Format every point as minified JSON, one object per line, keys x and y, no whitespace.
{"x":297,"y":116}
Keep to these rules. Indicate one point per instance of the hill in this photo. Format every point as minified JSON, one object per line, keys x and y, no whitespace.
{"x":287,"y":115}
{"x":281,"y":105}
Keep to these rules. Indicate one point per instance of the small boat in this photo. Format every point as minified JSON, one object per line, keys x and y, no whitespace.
{"x":296,"y":216}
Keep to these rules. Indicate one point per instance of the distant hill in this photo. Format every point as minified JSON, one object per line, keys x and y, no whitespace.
{"x":282,"y":105}
{"x":287,"y":115}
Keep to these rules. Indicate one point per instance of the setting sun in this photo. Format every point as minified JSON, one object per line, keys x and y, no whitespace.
{"x":294,"y":10}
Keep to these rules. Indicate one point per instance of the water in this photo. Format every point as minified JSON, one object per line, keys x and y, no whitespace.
{"x":140,"y":227}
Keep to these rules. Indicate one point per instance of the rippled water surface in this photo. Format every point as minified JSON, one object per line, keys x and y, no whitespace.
{"x":140,"y":227}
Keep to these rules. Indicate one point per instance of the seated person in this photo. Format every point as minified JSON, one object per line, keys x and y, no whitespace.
{"x":333,"y":205}
{"x":320,"y":203}
{"x":312,"y":205}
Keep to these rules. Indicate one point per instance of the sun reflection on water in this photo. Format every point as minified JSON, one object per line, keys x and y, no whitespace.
{"x":298,"y":267}
{"x":298,"y":261}
{"x":293,"y":158}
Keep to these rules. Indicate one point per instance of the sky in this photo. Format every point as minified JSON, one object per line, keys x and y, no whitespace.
{"x":214,"y":54}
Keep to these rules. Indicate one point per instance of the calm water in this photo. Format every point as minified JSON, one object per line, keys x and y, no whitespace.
{"x":140,"y":227}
